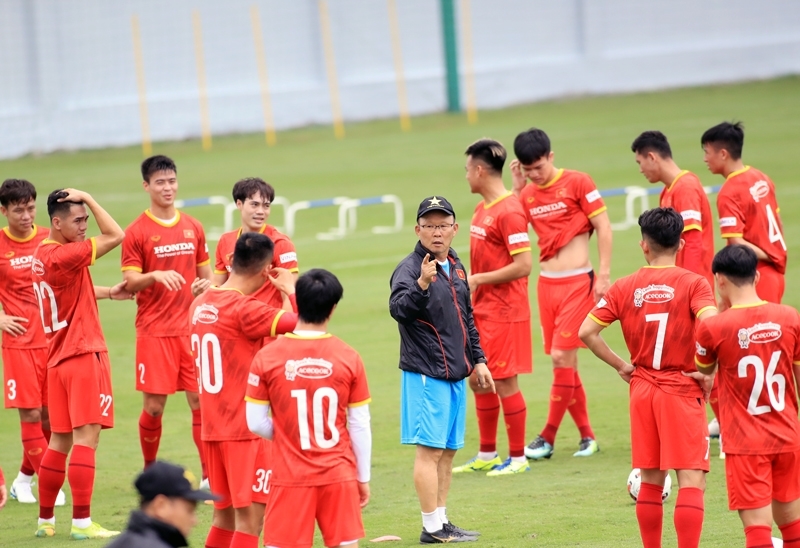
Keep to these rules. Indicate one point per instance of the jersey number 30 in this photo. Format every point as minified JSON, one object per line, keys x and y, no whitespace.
{"x":208,"y":358}
{"x":318,"y":415}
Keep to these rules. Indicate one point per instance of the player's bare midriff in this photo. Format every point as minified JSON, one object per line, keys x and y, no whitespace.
{"x":573,"y":256}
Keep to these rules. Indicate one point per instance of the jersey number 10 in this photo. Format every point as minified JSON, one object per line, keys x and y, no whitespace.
{"x":318,"y":415}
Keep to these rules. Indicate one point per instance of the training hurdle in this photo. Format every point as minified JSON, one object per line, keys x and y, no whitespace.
{"x":348,"y":217}
{"x":641,"y":194}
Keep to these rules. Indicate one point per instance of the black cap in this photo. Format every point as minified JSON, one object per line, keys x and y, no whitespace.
{"x":163,"y":478}
{"x":435,"y":203}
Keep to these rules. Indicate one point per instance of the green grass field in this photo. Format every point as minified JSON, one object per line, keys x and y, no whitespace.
{"x":561,"y":502}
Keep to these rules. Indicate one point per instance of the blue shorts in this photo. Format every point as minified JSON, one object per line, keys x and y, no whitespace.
{"x":433,"y":411}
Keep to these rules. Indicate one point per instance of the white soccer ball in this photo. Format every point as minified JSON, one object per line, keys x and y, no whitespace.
{"x":635,"y":483}
{"x":713,"y":428}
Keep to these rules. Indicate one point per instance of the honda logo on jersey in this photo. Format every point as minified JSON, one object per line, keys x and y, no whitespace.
{"x":174,"y":249}
{"x":308,"y":368}
{"x":477,"y":231}
{"x":21,"y":262}
{"x":760,"y":333}
{"x":548,"y":209}
{"x":653,"y":294}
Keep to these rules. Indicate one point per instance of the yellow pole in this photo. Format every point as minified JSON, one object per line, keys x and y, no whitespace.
{"x":330,"y":63}
{"x":138,"y":58}
{"x":397,"y":50}
{"x":205,"y":123}
{"x":469,"y":68}
{"x":263,"y":76}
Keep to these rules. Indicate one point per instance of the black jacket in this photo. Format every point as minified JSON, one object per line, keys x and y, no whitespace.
{"x":146,"y":532}
{"x":437,"y":331}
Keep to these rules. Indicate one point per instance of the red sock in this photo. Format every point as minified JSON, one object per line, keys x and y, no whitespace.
{"x":220,"y":538}
{"x":26,"y":467}
{"x":578,"y":409}
{"x":758,"y":536}
{"x":51,"y":477}
{"x":791,"y":534}
{"x":560,"y":396}
{"x":149,"y":436}
{"x":81,"y":480}
{"x":34,"y":443}
{"x":198,"y":441}
{"x":650,"y":514}
{"x":243,"y":540}
{"x":487,"y":407}
{"x":514,"y":413}
{"x":688,"y":517}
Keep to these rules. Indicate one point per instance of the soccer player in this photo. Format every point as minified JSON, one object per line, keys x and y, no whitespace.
{"x":500,"y":262}
{"x":24,"y":343}
{"x":78,"y":371}
{"x":228,"y":325}
{"x":656,"y":305}
{"x":316,"y":386}
{"x":3,"y":490}
{"x":163,"y":250}
{"x":564,"y":207}
{"x":756,"y":346}
{"x":747,"y":206}
{"x":253,"y":197}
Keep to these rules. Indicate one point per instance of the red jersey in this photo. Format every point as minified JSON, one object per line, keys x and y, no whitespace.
{"x":656,"y":306}
{"x":67,"y":305}
{"x":151,"y":244}
{"x":310,"y":381}
{"x":284,"y":256}
{"x":499,"y":231}
{"x":226,"y":331}
{"x":748,"y":209}
{"x":16,"y":293}
{"x":560,"y":209}
{"x":755,"y":347}
{"x":687,"y":196}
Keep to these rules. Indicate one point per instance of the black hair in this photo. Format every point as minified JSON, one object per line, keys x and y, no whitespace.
{"x":662,"y":227}
{"x":253,"y":251}
{"x":16,"y":191}
{"x":727,"y":135}
{"x":56,"y":208}
{"x":737,"y":263}
{"x":250,"y":186}
{"x":317,"y":292}
{"x":531,"y":145}
{"x":489,"y":152}
{"x":154,"y":164}
{"x":652,"y":141}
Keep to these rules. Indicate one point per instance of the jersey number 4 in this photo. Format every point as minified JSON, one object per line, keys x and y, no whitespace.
{"x":775,"y":383}
{"x":318,"y":415}
{"x":44,"y":291}
{"x":208,"y":358}
{"x":774,"y":229}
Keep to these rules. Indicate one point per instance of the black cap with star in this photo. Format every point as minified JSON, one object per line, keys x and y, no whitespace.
{"x":435,"y":203}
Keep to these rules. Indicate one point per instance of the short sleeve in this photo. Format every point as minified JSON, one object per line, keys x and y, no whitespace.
{"x":591,"y":202}
{"x":219,"y":259}
{"x":731,"y":216}
{"x":285,"y":255}
{"x":702,"y":296}
{"x":74,"y":256}
{"x":258,"y":319}
{"x":514,"y":230}
{"x":606,"y":311}
{"x":257,"y":385}
{"x":359,"y":391}
{"x":688,"y":204}
{"x":705,"y":355}
{"x":132,"y":256}
{"x":201,"y":253}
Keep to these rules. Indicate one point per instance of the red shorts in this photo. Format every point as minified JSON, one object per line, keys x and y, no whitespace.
{"x":291,"y":512}
{"x":507,"y":346}
{"x":771,"y":283}
{"x":563,"y":305}
{"x":668,"y":432}
{"x":754,"y":481}
{"x":25,"y":378}
{"x":165,"y":365}
{"x":79,"y":393}
{"x":239,"y":471}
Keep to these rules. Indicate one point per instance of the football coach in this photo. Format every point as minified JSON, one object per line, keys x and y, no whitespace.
{"x":439,"y":349}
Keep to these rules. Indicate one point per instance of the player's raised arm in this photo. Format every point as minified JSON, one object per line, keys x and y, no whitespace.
{"x":111,"y":234}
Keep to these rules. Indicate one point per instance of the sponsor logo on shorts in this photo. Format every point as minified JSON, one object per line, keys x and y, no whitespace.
{"x":593,"y":196}
{"x":727,"y":222}
{"x":205,"y":313}
{"x":288,"y":257}
{"x":521,"y":237}
{"x":566,"y":334}
{"x":308,"y":368}
{"x":700,"y":350}
{"x":760,"y":333}
{"x":759,"y":190}
{"x":653,"y":294}
{"x":691,"y":214}
{"x":500,"y":364}
{"x":477,"y":231}
{"x":21,"y":262}
{"x":252,"y":379}
{"x":170,"y":250}
{"x":38,"y":267}
{"x":548,"y":210}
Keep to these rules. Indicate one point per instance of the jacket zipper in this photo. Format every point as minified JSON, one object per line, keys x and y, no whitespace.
{"x":460,"y":321}
{"x":441,"y":346}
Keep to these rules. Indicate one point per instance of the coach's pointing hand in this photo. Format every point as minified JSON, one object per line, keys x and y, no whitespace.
{"x":427,"y":272}
{"x":484,"y":377}
{"x":12,"y":325}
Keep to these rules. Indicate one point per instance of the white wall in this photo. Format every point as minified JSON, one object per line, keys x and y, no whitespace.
{"x":69,"y":81}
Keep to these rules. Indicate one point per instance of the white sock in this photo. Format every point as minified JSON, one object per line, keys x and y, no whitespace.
{"x":431,"y":522}
{"x":81,"y":523}
{"x":51,"y":521}
{"x":519,"y":459}
{"x":23,"y":478}
{"x":442,"y":511}
{"x":484,"y":455}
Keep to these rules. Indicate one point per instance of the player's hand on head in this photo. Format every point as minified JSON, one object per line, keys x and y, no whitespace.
{"x":518,"y":178}
{"x":427,"y":271}
{"x":171,"y":279}
{"x":12,"y":324}
{"x":484,"y":377}
{"x":73,"y":195}
{"x":120,"y":293}
{"x":199,"y":286}
{"x":283,"y":279}
{"x":363,"y":494}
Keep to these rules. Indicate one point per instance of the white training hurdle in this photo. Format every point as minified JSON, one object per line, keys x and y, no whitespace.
{"x":348,"y":217}
{"x":641,"y":194}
